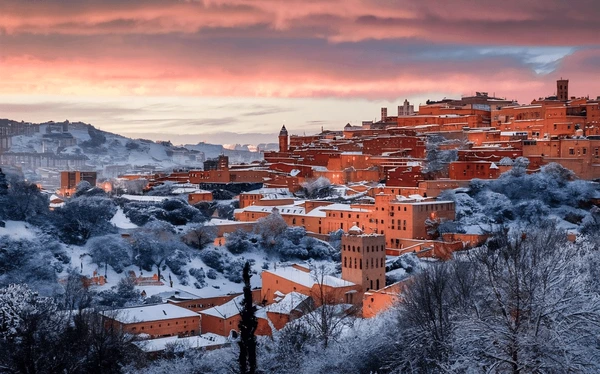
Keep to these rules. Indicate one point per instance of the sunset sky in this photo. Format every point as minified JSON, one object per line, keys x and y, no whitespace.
{"x":228,"y":71}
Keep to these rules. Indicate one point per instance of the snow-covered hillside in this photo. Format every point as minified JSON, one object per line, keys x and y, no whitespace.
{"x":104,"y":148}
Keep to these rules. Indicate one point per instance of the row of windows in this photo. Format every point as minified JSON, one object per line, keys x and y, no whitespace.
{"x":341,"y":215}
{"x":193,"y":306}
{"x":572,"y":151}
{"x":159,"y":325}
{"x":358,"y":264}
{"x":375,"y":248}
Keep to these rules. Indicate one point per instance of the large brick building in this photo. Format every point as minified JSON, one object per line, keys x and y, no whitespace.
{"x":155,"y":320}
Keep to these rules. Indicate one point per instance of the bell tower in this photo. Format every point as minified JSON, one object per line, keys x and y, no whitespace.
{"x":283,"y":140}
{"x":363,"y":259}
{"x":562,"y":89}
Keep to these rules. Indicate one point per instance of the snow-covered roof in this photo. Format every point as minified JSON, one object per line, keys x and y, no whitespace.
{"x":344,"y":207}
{"x":230,"y":308}
{"x":307,"y":279}
{"x":432,"y":202}
{"x":182,"y":190}
{"x":145,"y":198}
{"x":147,"y":313}
{"x":55,"y":197}
{"x":263,"y":191}
{"x":223,"y":222}
{"x":178,"y":294}
{"x":286,"y":305}
{"x":493,"y":166}
{"x":200,"y":341}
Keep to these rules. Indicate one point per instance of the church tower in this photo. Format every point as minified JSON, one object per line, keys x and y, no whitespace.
{"x":562,"y":89}
{"x":363,"y":259}
{"x":283,"y":140}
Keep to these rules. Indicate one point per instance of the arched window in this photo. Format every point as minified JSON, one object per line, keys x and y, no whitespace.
{"x":293,"y":221}
{"x":353,"y":249}
{"x":345,"y":263}
{"x":358,"y":249}
{"x":382,"y":262}
{"x":360,"y":264}
{"x":355,"y":263}
{"x":367,"y":249}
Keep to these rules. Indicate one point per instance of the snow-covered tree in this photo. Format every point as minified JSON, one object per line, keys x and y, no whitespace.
{"x":270,"y":227}
{"x":155,"y":245}
{"x":110,"y":250}
{"x":84,"y":217}
{"x":23,"y":201}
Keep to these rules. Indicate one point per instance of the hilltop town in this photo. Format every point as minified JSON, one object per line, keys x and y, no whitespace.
{"x":343,"y":221}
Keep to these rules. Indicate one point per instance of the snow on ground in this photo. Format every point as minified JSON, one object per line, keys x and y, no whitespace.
{"x":121,"y":221}
{"x":18,"y":230}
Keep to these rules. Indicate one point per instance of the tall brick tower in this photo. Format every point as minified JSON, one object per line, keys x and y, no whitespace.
{"x":363,"y":259}
{"x":562,"y":89}
{"x":283,"y":139}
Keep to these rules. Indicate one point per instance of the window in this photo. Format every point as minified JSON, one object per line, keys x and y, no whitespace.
{"x":571,"y":151}
{"x":584,"y":151}
{"x":360,"y":264}
{"x":355,"y":263}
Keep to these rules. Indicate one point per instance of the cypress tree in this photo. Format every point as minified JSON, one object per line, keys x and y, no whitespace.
{"x":247,"y":327}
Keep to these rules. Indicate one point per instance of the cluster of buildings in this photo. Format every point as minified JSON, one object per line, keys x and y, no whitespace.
{"x":386,"y":201}
{"x":287,"y":293}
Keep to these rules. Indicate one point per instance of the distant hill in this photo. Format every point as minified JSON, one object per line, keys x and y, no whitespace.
{"x":104,"y":148}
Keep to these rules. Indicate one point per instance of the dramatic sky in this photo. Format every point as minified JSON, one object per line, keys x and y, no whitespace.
{"x":234,"y":70}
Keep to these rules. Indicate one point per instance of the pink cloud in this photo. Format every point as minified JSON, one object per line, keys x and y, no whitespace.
{"x":296,"y":48}
{"x":509,"y":22}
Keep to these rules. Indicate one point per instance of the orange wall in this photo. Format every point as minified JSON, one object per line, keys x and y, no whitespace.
{"x":375,"y":302}
{"x":195,"y":198}
{"x":197,"y":305}
{"x":171,"y":327}
{"x":467,"y":170}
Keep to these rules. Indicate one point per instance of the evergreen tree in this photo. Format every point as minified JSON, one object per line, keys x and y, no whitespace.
{"x":247,"y":327}
{"x":3,"y":193}
{"x":3,"y":183}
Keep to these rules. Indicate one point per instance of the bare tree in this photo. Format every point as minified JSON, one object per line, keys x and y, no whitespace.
{"x":536,"y":311}
{"x":200,"y":235}
{"x":328,"y":316}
